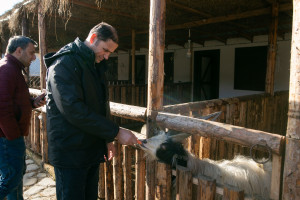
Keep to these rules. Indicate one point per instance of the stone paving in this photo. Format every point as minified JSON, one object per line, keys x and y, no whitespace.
{"x":37,"y":184}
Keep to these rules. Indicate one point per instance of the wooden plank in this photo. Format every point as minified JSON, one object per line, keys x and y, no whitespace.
{"x":117,"y":172}
{"x":109,"y":187}
{"x":101,"y":183}
{"x":276,"y":177}
{"x":32,"y":131}
{"x":163,"y":182}
{"x":140,"y":172}
{"x":37,"y":145}
{"x":43,"y":131}
{"x":127,"y":155}
{"x":206,"y":189}
{"x":184,"y":181}
{"x":232,"y":194}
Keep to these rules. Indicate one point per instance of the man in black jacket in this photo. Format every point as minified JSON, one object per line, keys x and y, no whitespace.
{"x":80,"y":134}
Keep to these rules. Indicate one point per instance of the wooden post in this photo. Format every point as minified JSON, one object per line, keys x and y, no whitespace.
{"x":272,"y":50}
{"x":140,"y":175}
{"x":233,"y":194}
{"x":127,"y":154}
{"x":109,"y":187}
{"x":155,"y":87}
{"x":117,"y":170}
{"x":184,"y":183}
{"x":133,"y":58}
{"x":206,"y":189}
{"x":25,"y":33}
{"x":43,"y":127}
{"x":42,"y":45}
{"x":101,"y":184}
{"x":291,"y":174}
{"x":37,"y":147}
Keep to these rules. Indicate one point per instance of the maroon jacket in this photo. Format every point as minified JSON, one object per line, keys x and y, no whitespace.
{"x":15,"y":101}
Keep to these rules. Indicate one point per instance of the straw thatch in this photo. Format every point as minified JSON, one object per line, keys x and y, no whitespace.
{"x":208,"y":19}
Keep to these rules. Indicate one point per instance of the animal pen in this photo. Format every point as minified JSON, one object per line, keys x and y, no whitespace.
{"x":255,"y":122}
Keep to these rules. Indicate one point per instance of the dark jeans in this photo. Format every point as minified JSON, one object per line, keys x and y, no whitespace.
{"x":77,"y":184}
{"x":12,"y":168}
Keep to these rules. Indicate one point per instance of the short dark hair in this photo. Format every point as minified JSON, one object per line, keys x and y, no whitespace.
{"x":19,"y":41}
{"x":105,"y":32}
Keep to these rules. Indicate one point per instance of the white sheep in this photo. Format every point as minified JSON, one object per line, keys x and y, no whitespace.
{"x":241,"y":172}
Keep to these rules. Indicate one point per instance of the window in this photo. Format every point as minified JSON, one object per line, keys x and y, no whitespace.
{"x":250,"y":68}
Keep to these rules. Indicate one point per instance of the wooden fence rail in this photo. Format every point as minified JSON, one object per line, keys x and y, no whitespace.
{"x":129,"y":163}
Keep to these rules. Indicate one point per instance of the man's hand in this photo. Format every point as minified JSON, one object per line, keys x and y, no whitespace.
{"x":110,"y":150}
{"x":39,"y":100}
{"x":126,"y":137}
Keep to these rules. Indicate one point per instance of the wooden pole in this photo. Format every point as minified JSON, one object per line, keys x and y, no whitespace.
{"x":291,"y":174}
{"x":42,"y":45}
{"x":155,"y":90}
{"x":25,"y":33}
{"x":271,"y":60}
{"x":133,"y":58}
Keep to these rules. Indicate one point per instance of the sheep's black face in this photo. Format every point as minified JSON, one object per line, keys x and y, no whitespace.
{"x":171,"y":153}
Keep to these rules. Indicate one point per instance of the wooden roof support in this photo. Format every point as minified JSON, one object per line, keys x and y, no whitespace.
{"x":133,"y":58}
{"x":25,"y":33}
{"x":208,"y":15}
{"x":291,"y":174}
{"x":226,"y":18}
{"x":42,"y":45}
{"x":158,"y":178}
{"x":271,"y":59}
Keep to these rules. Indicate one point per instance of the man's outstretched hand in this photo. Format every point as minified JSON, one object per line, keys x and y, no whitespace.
{"x":126,"y":137}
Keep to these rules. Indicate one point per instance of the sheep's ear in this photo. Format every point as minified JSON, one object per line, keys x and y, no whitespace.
{"x":177,"y":136}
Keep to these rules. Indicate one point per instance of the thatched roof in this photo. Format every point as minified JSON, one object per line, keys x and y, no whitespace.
{"x":207,"y":19}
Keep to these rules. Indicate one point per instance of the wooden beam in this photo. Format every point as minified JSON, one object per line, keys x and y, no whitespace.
{"x":226,"y":18}
{"x":42,"y":45}
{"x":229,"y":133}
{"x":291,"y":174}
{"x":271,"y":58}
{"x":220,"y":19}
{"x":156,"y":177}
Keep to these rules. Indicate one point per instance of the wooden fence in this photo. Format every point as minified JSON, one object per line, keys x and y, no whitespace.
{"x":124,"y":177}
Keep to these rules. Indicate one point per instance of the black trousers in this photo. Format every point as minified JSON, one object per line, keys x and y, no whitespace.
{"x":77,"y":184}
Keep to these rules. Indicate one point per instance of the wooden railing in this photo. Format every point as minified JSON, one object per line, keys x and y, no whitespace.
{"x":128,"y":167}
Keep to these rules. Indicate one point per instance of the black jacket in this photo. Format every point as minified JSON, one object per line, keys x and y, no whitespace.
{"x":78,"y":125}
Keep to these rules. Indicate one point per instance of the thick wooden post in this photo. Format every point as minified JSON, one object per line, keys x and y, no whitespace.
{"x":133,"y":57}
{"x":291,"y":174}
{"x":42,"y":45}
{"x":272,"y":50}
{"x":155,"y":90}
{"x":25,"y":33}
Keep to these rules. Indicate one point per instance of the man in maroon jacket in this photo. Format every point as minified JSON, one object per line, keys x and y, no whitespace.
{"x":15,"y":113}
